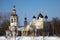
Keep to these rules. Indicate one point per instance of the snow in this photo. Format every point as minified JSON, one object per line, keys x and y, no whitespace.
{"x":32,"y":38}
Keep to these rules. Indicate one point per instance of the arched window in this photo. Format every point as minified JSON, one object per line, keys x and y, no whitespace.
{"x":15,"y":20}
{"x":11,"y":20}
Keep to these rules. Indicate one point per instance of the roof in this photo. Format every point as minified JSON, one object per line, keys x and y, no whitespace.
{"x":13,"y":14}
{"x":40,"y":15}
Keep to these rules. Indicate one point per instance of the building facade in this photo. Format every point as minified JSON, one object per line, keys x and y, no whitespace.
{"x":33,"y":28}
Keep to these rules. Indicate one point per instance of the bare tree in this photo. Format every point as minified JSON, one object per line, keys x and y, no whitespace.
{"x":4,"y":22}
{"x":56,"y":26}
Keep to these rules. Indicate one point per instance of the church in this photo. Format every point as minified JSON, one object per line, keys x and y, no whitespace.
{"x":33,"y":28}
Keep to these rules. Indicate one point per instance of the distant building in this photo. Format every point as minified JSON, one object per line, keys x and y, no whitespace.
{"x":13,"y":23}
{"x":37,"y":27}
{"x":34,"y":27}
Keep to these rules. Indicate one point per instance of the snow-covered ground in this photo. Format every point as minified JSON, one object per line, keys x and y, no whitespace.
{"x":32,"y":38}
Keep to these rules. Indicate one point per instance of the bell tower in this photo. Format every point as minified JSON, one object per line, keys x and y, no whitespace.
{"x":13,"y":17}
{"x":13,"y":22}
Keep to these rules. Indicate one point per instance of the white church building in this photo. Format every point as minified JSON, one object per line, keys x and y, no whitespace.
{"x":31,"y":29}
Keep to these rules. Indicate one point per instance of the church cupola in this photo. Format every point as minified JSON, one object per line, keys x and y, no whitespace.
{"x":46,"y":16}
{"x":25,"y":22}
{"x":25,"y":18}
{"x":40,"y":16}
{"x":13,"y":17}
{"x":34,"y":17}
{"x":39,"y":22}
{"x":13,"y":11}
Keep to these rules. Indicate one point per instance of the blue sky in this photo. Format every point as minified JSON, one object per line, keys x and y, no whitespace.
{"x":32,"y":7}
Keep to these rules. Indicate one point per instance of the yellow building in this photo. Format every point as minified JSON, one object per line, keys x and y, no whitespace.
{"x":32,"y":28}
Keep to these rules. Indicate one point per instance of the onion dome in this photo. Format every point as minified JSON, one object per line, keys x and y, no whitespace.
{"x":34,"y":17}
{"x":40,"y":15}
{"x":13,"y":11}
{"x":46,"y":16}
{"x":25,"y":18}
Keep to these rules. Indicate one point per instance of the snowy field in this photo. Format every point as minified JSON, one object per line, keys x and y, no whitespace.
{"x":32,"y":38}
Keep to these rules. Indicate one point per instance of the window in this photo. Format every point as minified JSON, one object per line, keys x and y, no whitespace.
{"x":14,"y":20}
{"x":11,"y":20}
